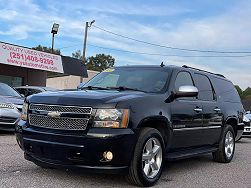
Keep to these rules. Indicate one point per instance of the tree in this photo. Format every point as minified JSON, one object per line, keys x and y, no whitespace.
{"x":47,"y":49}
{"x":239,"y":90}
{"x":99,"y":62}
{"x":77,"y":55}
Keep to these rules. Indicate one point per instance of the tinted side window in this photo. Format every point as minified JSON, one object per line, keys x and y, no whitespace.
{"x":34,"y":91}
{"x":183,"y":79}
{"x":204,"y":86}
{"x":225,"y":90}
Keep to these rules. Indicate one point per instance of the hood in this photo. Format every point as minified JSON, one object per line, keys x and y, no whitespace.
{"x":92,"y":98}
{"x":12,"y":100}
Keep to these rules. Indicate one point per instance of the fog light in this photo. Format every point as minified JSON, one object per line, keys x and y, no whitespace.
{"x":108,"y":155}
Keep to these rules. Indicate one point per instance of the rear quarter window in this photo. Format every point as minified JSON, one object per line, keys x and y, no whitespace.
{"x":225,"y":90}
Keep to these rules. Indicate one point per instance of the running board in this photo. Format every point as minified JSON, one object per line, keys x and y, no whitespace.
{"x":183,"y":154}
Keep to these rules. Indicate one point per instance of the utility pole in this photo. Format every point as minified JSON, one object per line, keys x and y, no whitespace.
{"x":87,"y":25}
{"x":85,"y":40}
{"x":52,"y":43}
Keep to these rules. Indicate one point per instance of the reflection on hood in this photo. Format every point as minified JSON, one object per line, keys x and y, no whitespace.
{"x":12,"y":100}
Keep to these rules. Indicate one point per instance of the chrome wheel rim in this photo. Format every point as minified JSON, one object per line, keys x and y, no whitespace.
{"x":152,"y":158}
{"x":229,"y":144}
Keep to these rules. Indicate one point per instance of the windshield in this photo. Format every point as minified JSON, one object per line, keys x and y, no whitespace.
{"x":6,"y":90}
{"x":144,"y":79}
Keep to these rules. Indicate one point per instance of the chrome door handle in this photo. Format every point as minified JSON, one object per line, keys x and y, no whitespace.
{"x":198,"y":110}
{"x":217,"y":110}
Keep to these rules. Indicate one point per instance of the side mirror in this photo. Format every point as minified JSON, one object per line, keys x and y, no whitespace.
{"x":186,"y":91}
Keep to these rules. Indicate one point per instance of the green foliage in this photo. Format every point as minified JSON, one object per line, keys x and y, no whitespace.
{"x":99,"y":62}
{"x":239,"y":90}
{"x":246,"y":94}
{"x":77,"y":55}
{"x":47,"y":49}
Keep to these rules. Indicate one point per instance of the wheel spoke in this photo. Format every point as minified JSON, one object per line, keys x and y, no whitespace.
{"x":146,"y":157}
{"x":147,"y":169}
{"x":154,"y":166}
{"x":156,"y":149}
{"x":149,"y":147}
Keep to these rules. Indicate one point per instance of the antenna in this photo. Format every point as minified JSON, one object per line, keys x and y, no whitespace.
{"x":162,"y":64}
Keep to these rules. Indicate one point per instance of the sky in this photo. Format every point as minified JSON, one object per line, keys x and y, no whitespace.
{"x":205,"y":25}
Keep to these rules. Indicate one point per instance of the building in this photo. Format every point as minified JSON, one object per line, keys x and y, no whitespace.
{"x":68,"y":81}
{"x":24,"y":66}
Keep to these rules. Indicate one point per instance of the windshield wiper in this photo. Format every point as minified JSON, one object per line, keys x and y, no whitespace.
{"x":123,"y":88}
{"x":93,"y":87}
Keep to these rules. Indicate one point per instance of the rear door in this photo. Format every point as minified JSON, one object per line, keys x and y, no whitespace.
{"x":212,"y":114}
{"x":186,"y":116}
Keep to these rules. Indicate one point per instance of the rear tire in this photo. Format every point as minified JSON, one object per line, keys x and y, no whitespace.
{"x":148,"y":160}
{"x":226,"y":149}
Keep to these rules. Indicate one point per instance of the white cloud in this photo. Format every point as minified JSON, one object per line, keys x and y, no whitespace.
{"x":8,"y":14}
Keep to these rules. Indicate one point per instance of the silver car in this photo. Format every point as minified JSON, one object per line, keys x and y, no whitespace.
{"x":10,"y":107}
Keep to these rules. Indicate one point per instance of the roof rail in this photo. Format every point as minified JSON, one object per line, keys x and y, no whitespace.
{"x":185,"y":66}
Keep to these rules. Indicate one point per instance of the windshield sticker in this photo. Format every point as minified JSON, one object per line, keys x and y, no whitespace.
{"x":109,"y":70}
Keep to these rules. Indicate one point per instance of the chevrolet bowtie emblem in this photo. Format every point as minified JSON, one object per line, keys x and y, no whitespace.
{"x":54,"y":114}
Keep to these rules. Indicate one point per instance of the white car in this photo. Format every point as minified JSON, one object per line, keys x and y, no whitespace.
{"x":247,"y":127}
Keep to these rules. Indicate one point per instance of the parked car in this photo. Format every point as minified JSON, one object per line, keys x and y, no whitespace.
{"x":247,"y":127}
{"x":130,"y":119}
{"x":30,"y":90}
{"x":11,"y":103}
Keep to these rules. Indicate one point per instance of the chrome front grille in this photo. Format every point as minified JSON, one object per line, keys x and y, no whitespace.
{"x":7,"y":120}
{"x":67,"y":117}
{"x":58,"y":123}
{"x":59,"y":108}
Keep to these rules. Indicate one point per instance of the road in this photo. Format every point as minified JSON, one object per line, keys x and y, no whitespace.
{"x":199,"y":172}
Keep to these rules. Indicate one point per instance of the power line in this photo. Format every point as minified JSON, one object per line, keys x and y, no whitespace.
{"x":170,"y":47}
{"x":166,"y":55}
{"x":155,"y":54}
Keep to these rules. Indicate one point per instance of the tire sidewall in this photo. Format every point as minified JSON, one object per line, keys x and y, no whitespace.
{"x":145,"y":180}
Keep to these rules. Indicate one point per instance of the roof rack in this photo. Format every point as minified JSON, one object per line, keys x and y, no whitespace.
{"x":185,"y":66}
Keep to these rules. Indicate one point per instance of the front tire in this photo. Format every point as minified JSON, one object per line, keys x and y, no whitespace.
{"x":226,"y":149}
{"x":149,"y":155}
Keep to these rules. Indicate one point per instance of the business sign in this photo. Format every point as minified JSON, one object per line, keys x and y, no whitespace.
{"x":25,"y":57}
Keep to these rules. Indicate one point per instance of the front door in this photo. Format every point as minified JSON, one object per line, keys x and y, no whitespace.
{"x":186,"y":116}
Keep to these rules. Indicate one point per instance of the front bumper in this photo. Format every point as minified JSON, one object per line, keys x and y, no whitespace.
{"x":247,"y":130}
{"x":8,"y":119}
{"x":78,"y":151}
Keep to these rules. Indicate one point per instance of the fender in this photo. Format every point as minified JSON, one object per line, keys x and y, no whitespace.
{"x":163,"y":125}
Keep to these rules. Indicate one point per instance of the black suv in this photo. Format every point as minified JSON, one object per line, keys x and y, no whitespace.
{"x":130,"y":119}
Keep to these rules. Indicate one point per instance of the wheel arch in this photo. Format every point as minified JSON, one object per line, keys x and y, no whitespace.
{"x":233,"y":122}
{"x":161,"y":123}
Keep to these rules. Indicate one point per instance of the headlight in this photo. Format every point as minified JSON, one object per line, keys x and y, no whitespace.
{"x":111,"y":118}
{"x":24,"y":111}
{"x":10,"y":106}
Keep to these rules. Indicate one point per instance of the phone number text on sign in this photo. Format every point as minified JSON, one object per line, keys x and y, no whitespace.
{"x":24,"y":57}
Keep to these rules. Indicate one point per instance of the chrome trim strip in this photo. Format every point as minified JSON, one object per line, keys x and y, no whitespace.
{"x":197,"y":128}
{"x":4,"y":123}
